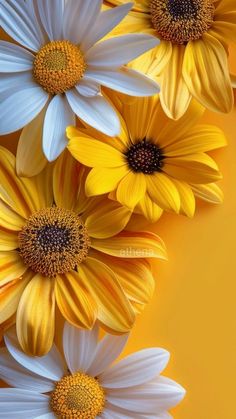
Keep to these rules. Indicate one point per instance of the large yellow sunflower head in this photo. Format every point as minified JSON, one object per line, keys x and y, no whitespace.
{"x":156,"y":163}
{"x":59,"y":247}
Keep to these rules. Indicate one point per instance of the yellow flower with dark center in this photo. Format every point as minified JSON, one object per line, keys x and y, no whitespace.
{"x":192,"y":58}
{"x":59,"y":247}
{"x":156,"y":163}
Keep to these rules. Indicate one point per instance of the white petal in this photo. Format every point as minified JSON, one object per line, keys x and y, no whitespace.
{"x":126,"y":80}
{"x":79,"y":16}
{"x":14,"y":58}
{"x":58,"y":116}
{"x":153,"y":397}
{"x":95,"y":111}
{"x":8,"y":82}
{"x":79,"y":347}
{"x":105,"y":22}
{"x":23,"y":104}
{"x":51,"y":14}
{"x":50,"y":366}
{"x":22,"y":404}
{"x":16,"y":376}
{"x":136,"y":369}
{"x":88,"y":87}
{"x":118,"y":51}
{"x":116,"y":412}
{"x":46,"y":416}
{"x":108,"y":350}
{"x":19,"y":20}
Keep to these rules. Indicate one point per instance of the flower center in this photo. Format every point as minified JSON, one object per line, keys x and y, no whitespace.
{"x":180,"y":21}
{"x":77,"y":396}
{"x":59,"y":66}
{"x":144,"y":157}
{"x":53,"y":241}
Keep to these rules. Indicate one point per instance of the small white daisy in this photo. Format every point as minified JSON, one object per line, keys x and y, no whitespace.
{"x":58,"y":72}
{"x":85,"y":385}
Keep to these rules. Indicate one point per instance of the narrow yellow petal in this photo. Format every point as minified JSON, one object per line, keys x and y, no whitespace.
{"x":210,"y":193}
{"x":74,"y":301}
{"x":35,"y":321}
{"x":211,"y":88}
{"x":8,"y":240}
{"x":187,"y":199}
{"x":163,"y":192}
{"x":104,"y":180}
{"x":149,"y":209}
{"x":9,"y":219}
{"x":10,"y":295}
{"x":114,"y":308}
{"x":11,"y":266}
{"x":131,"y":189}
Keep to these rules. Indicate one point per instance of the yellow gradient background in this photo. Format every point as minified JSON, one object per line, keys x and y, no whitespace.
{"x":193,"y":311}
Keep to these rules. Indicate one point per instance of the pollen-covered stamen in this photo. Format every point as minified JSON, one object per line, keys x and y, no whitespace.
{"x":145,"y":157}
{"x":53,"y":241}
{"x":59,"y":66}
{"x":180,"y":21}
{"x":77,"y":396}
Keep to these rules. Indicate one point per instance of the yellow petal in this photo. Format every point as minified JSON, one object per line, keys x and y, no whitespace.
{"x":95,"y":153}
{"x":187,"y":199}
{"x":134,"y":275}
{"x":149,"y":209}
{"x":114,"y":308}
{"x":74,"y":301}
{"x":163,"y":192}
{"x":30,"y":159}
{"x":107,"y":220}
{"x":211,"y":88}
{"x":199,"y":139}
{"x":35,"y":321}
{"x":131,"y":189}
{"x":19,"y":193}
{"x":44,"y":185}
{"x":10,"y":295}
{"x":132,"y":245}
{"x":10,"y":219}
{"x":8,"y":240}
{"x":103,"y":180}
{"x":224,"y":28}
{"x":224,"y":6}
{"x":11,"y":266}
{"x":175,"y":96}
{"x":65,"y":181}
{"x":193,"y":168}
{"x":210,"y":193}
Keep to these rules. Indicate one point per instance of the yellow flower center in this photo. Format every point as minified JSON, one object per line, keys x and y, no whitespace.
{"x":180,"y":21}
{"x":77,"y":396}
{"x":53,"y":241}
{"x":59,"y":66}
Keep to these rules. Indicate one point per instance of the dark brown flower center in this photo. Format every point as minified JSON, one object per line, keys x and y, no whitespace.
{"x":180,"y":21}
{"x":145,"y":157}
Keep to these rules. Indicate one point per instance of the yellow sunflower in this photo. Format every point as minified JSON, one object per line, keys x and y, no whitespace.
{"x":58,"y":247}
{"x":191,"y":60}
{"x":156,"y":163}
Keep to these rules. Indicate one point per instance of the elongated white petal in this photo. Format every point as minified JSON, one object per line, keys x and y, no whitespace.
{"x":9,"y":82}
{"x":50,"y":366}
{"x":136,"y":369}
{"x":46,"y":416}
{"x":51,"y":14}
{"x":58,"y":116}
{"x":21,"y":107}
{"x":17,"y":376}
{"x":19,"y":20}
{"x":115,"y":52}
{"x":105,"y":22}
{"x":14,"y":58}
{"x":116,"y":412}
{"x":153,"y":397}
{"x":79,"y":16}
{"x":88,"y":87}
{"x":79,"y":347}
{"x":126,"y":81}
{"x":22,"y":404}
{"x":95,"y":111}
{"x":108,"y":350}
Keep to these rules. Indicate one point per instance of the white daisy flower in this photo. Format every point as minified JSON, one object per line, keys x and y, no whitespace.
{"x":58,"y":72}
{"x":84,"y":384}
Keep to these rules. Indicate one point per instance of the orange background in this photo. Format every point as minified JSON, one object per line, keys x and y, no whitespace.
{"x":193,"y":311}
